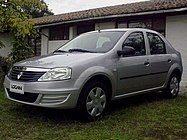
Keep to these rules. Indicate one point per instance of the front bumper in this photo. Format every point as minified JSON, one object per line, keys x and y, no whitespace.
{"x":53,"y":94}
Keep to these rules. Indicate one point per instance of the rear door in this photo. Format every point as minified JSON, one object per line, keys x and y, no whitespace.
{"x":133,"y":70}
{"x":160,"y":61}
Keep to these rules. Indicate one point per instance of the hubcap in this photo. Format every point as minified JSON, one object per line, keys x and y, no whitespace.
{"x":174,"y":86}
{"x":96,"y":101}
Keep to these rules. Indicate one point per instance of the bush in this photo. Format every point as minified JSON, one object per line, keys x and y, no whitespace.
{"x":5,"y":64}
{"x":20,"y":51}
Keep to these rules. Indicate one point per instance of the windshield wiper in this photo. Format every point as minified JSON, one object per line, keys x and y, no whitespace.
{"x":80,"y":50}
{"x":60,"y":51}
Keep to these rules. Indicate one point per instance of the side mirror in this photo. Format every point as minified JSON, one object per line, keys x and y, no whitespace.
{"x":127,"y":51}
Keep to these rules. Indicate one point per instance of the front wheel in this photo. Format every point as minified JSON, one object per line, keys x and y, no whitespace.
{"x":93,"y":101}
{"x":173,"y":86}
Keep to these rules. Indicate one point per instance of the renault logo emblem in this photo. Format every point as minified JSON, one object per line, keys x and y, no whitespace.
{"x":19,"y":75}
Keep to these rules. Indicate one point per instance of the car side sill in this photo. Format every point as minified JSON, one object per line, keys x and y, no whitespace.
{"x":136,"y":93}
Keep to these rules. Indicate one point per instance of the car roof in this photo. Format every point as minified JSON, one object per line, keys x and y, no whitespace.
{"x":127,"y":29}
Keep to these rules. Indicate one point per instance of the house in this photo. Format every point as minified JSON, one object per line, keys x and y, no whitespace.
{"x":168,"y":17}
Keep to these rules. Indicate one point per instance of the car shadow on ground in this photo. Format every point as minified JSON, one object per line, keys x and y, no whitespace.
{"x":137,"y":100}
{"x":57,"y":115}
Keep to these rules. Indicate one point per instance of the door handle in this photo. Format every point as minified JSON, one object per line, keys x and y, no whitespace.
{"x":146,"y":63}
{"x":169,"y":60}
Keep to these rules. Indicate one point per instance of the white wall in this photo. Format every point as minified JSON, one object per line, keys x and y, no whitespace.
{"x":176,"y":33}
{"x":44,"y":41}
{"x":72,"y":32}
{"x":7,"y":39}
{"x":105,"y":25}
{"x":53,"y":45}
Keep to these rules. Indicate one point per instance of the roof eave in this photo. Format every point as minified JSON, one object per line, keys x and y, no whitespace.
{"x":115,"y":16}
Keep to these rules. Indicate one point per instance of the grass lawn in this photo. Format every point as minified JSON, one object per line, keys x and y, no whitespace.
{"x":146,"y":117}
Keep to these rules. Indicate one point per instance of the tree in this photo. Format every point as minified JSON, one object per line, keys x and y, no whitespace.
{"x":35,"y":12}
{"x":16,"y":15}
{"x":16,"y":18}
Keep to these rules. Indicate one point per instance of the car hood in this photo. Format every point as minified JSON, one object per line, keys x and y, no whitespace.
{"x":58,"y":60}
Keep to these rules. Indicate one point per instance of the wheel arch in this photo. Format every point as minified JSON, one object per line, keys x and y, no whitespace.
{"x":174,"y":69}
{"x":178,"y":72}
{"x":102,"y":78}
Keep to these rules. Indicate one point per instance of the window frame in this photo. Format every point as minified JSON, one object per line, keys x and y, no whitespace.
{"x":160,"y":39}
{"x":64,"y":29}
{"x":153,"y":19}
{"x":84,"y":28}
{"x":144,"y":21}
{"x":143,"y":41}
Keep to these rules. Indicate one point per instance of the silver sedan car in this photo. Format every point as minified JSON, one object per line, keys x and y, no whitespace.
{"x":95,"y":68}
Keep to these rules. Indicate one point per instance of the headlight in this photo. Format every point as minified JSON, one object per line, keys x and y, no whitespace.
{"x":56,"y":74}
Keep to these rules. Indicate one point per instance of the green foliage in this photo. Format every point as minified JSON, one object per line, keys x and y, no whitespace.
{"x":5,"y":64}
{"x":16,"y":18}
{"x":21,"y":50}
{"x":36,"y":12}
{"x":1,"y":44}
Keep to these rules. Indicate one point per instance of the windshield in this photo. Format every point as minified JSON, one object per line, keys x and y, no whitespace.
{"x":98,"y":42}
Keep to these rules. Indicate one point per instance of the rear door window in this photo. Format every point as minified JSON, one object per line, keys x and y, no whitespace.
{"x":157,"y":45}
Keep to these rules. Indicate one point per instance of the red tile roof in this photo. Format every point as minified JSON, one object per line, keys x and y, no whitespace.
{"x":138,"y":7}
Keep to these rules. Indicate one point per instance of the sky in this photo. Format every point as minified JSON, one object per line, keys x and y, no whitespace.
{"x":65,"y":6}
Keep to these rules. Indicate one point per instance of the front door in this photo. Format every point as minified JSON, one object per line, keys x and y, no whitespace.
{"x":133,"y":70}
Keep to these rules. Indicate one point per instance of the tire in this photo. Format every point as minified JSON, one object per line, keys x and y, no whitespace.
{"x":93,"y":101}
{"x":173,"y":87}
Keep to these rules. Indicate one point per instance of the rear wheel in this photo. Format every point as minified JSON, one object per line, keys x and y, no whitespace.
{"x":173,"y":86}
{"x":93,"y":101}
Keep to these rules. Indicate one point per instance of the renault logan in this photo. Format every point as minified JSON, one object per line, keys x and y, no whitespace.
{"x":95,"y":68}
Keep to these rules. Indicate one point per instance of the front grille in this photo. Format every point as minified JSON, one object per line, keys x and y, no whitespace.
{"x":26,"y":76}
{"x":26,"y":97}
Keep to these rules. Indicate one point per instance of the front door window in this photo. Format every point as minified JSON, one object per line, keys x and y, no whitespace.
{"x":136,"y":40}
